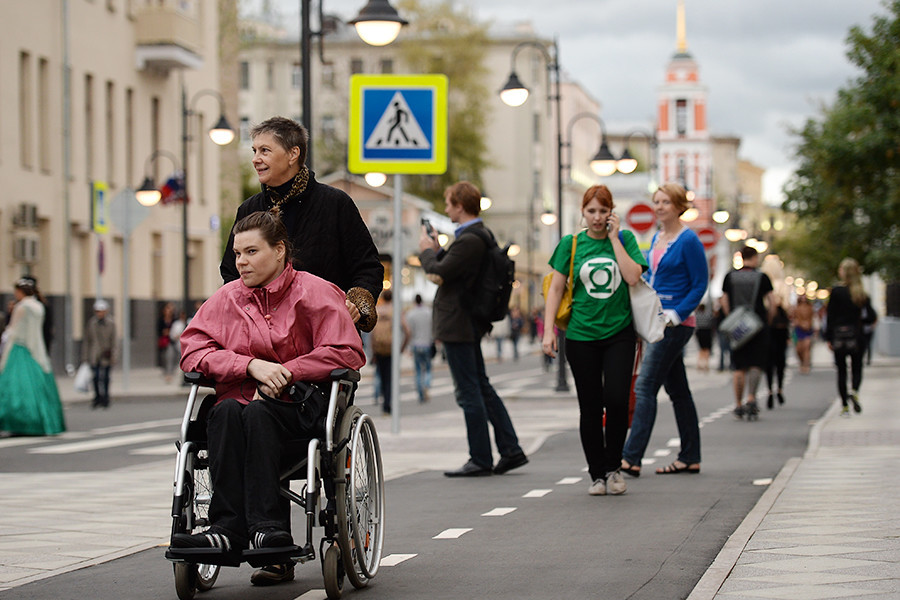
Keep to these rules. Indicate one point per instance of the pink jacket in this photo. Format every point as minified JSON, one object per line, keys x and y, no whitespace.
{"x":299,"y":320}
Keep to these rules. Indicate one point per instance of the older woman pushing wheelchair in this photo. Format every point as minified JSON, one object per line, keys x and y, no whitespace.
{"x":255,"y":337}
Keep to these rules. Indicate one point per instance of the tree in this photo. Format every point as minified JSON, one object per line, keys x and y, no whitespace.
{"x":445,"y":39}
{"x":846,"y":192}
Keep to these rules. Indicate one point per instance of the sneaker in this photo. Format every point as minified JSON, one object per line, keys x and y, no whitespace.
{"x":273,"y":574}
{"x":770,"y":403}
{"x":739,"y":413}
{"x":615,"y":483}
{"x":271,"y":537}
{"x":206,"y":539}
{"x":854,"y":398}
{"x":845,"y":411}
{"x":598,"y":488}
{"x":780,"y":398}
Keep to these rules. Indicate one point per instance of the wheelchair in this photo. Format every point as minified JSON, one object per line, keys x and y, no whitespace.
{"x":343,"y":491}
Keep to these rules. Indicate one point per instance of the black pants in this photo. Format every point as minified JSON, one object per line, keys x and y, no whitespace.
{"x":602,"y":372}
{"x":246,"y":443}
{"x":856,"y":369}
{"x":777,"y":358}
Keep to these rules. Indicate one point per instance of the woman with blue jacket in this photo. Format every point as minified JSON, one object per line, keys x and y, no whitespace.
{"x":679,"y":274}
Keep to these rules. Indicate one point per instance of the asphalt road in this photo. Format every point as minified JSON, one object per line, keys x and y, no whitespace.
{"x":654,"y":542}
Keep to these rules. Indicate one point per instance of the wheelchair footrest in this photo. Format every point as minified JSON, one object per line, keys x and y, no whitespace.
{"x":205,"y":556}
{"x":262,"y":557}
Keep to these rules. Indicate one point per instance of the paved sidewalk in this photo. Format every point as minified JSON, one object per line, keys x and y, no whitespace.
{"x":829,"y":524}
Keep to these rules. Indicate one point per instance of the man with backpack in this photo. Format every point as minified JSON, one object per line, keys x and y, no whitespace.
{"x":471,"y":270}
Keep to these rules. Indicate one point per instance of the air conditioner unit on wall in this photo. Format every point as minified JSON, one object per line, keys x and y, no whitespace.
{"x":26,"y":248}
{"x":25,"y":216}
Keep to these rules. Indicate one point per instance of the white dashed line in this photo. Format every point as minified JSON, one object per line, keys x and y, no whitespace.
{"x":312,"y":595}
{"x":673,"y":443}
{"x":766,"y":481}
{"x":499,"y":512}
{"x":662,"y":452}
{"x":537,"y":493}
{"x":452,"y":534}
{"x":392,"y":560}
{"x":569,"y":480}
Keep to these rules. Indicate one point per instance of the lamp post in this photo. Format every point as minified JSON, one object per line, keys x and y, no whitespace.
{"x":221,"y":134}
{"x":627,"y":164}
{"x":514,"y":93}
{"x":603,"y":163}
{"x":377,"y":24}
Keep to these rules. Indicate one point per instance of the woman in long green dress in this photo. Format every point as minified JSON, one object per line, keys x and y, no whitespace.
{"x":29,"y":398}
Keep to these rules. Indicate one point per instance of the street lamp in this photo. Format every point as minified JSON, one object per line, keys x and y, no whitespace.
{"x":221,"y":134}
{"x":627,"y":164}
{"x":514,"y":93}
{"x":377,"y":24}
{"x":603,"y":163}
{"x":148,"y":194}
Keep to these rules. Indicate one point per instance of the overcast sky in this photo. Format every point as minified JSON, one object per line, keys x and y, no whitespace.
{"x":768,"y":64}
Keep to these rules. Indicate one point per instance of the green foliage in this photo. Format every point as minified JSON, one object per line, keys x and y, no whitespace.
{"x":846,"y":191}
{"x":443,"y":38}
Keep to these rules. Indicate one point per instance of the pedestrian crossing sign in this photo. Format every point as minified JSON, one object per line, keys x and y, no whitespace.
{"x":398,"y":124}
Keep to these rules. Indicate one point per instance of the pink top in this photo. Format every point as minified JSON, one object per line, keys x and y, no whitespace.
{"x":299,"y":320}
{"x":656,"y":255}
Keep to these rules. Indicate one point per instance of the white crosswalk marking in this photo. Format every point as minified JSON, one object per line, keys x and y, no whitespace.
{"x":536,"y":493}
{"x":499,"y":512}
{"x":568,"y":481}
{"x":392,"y":560}
{"x":122,"y":440}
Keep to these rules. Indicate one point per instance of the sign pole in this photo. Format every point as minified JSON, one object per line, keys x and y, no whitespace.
{"x":396,"y":284}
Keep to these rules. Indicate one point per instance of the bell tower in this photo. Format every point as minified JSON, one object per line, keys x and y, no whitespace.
{"x":685,"y":147}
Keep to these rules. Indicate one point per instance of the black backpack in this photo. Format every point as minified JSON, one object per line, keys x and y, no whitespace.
{"x":488,"y":300}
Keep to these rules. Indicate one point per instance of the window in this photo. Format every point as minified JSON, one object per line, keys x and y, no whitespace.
{"x":110,"y":133}
{"x":89,"y":127}
{"x":26,"y":150}
{"x":387,"y":66}
{"x":270,"y":75}
{"x":537,"y":119}
{"x":328,"y":74}
{"x":129,"y":138}
{"x":245,"y":75}
{"x":245,"y":129}
{"x":296,"y":76}
{"x":43,"y":120}
{"x":328,"y":126}
{"x":154,"y":135}
{"x":356,"y":66}
{"x":681,"y":116}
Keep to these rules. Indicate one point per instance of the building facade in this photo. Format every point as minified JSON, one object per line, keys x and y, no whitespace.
{"x":92,"y":104}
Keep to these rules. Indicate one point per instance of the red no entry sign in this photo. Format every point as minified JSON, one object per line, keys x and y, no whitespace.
{"x":708,"y":237}
{"x":640,"y":217}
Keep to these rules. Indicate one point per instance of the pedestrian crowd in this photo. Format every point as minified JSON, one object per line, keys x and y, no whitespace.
{"x":303,"y":294}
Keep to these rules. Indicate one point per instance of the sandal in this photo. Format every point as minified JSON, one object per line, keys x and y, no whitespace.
{"x":674,"y":469}
{"x":633,"y":470}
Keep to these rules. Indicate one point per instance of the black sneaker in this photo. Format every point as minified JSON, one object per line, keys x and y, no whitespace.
{"x":271,"y":537}
{"x":273,"y":574}
{"x":206,"y":539}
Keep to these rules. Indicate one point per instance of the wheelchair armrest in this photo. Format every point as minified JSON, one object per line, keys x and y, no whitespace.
{"x":346,"y":374}
{"x":193,"y":378}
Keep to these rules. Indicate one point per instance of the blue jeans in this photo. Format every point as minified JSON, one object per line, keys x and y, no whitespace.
{"x":663,"y":365}
{"x":480,"y":404}
{"x":422,"y":361}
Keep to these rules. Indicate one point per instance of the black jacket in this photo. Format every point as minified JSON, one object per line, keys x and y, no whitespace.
{"x":842,"y":311}
{"x":330,"y":238}
{"x":458,"y":266}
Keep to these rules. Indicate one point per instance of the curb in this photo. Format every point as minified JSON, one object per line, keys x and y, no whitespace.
{"x":721,"y":567}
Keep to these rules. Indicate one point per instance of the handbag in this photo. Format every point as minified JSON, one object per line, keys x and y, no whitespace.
{"x":564,"y":311}
{"x":846,"y":338}
{"x":83,"y":377}
{"x":742,"y":323}
{"x":646,"y":312}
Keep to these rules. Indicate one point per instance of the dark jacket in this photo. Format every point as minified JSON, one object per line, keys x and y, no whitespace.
{"x":458,"y":266}
{"x":842,"y":311}
{"x":330,"y":238}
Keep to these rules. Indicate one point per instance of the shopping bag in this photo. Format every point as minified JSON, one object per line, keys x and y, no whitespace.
{"x":740,"y":326}
{"x":646,"y":312}
{"x":83,"y":377}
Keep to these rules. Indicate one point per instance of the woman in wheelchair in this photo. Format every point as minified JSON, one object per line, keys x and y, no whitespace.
{"x":254,"y":337}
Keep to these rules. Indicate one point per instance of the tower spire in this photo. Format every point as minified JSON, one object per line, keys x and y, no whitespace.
{"x":681,"y":45}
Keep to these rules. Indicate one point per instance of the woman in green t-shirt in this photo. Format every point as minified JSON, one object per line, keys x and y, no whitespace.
{"x":600,"y":339}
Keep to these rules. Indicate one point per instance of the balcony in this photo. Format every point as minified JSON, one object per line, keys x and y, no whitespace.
{"x":167,"y":34}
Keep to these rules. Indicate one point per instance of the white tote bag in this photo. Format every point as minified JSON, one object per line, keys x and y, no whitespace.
{"x":83,"y":377}
{"x":647,"y":312}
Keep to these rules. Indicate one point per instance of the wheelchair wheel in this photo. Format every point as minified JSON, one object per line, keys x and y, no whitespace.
{"x":333,"y":572}
{"x":360,"y":501}
{"x":185,"y":580}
